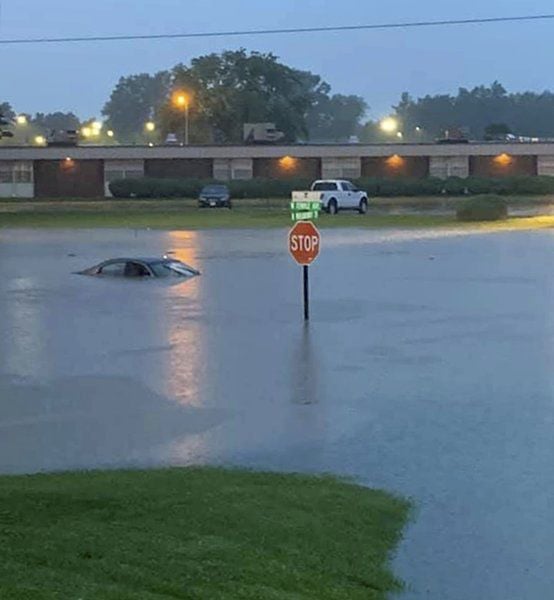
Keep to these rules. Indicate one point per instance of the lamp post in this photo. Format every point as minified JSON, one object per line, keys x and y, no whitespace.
{"x":182,"y":102}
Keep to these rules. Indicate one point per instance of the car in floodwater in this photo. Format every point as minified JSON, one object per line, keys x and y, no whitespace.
{"x":215,"y":196}
{"x":142,"y":267}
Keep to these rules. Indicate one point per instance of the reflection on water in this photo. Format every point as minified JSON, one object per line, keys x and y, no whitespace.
{"x":304,"y":369}
{"x":25,"y":341}
{"x":186,"y":338}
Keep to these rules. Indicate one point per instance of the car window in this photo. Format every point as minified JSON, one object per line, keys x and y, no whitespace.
{"x":348,"y":187}
{"x":214,"y":189}
{"x":325,"y":186}
{"x":161,"y":269}
{"x":171,"y":269}
{"x":135,"y":269}
{"x":115,"y":269}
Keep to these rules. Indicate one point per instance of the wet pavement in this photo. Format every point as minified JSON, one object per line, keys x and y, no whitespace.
{"x":427,"y":370}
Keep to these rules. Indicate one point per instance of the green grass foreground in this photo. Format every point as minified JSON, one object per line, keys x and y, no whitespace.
{"x":195,"y":534}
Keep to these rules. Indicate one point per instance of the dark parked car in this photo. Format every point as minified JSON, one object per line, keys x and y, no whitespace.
{"x":141,"y":267}
{"x":213,"y":196}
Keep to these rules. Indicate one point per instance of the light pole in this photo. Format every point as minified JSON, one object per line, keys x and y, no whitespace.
{"x":182,"y":102}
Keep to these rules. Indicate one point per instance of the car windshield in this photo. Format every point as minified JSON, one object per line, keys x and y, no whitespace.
{"x":171,"y":269}
{"x":214,"y":189}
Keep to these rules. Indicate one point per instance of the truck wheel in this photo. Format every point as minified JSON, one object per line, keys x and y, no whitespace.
{"x":332,"y":207}
{"x":362,"y":209}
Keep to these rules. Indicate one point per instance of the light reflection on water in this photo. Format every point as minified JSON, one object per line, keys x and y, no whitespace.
{"x":27,"y":336}
{"x":186,"y":336}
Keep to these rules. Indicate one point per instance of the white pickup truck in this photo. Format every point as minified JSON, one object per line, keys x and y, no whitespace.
{"x":335,"y":195}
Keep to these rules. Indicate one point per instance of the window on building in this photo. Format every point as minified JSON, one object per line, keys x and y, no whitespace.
{"x":23,"y":173}
{"x":113,"y":175}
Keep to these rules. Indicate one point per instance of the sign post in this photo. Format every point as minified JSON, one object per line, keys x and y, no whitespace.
{"x":304,"y":245}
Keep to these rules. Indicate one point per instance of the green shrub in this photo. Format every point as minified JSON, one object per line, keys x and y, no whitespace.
{"x":483,"y":208}
{"x":148,"y":187}
{"x":400,"y":186}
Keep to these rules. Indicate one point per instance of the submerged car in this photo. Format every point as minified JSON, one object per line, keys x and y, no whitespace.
{"x":142,"y":267}
{"x":214,"y":196}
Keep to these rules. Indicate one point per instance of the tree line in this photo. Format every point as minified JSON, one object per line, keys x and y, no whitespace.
{"x":224,"y":91}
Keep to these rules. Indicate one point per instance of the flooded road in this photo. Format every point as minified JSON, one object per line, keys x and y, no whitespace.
{"x":427,"y":369}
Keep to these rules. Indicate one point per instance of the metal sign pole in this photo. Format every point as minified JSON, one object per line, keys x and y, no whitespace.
{"x":306,"y":293}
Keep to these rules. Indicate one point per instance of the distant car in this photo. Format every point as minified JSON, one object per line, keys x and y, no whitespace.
{"x":213,"y":196}
{"x":171,"y":139}
{"x":141,"y":267}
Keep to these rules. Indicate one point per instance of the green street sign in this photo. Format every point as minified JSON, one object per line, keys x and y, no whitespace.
{"x":305,"y":215}
{"x":296,"y":206}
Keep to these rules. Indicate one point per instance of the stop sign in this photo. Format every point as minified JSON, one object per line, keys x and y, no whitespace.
{"x":304,"y":242}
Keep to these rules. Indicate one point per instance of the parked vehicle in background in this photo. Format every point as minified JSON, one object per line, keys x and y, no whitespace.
{"x":261,"y":133}
{"x":215,"y":196}
{"x":335,"y":195}
{"x":453,"y":136}
{"x":62,"y":138}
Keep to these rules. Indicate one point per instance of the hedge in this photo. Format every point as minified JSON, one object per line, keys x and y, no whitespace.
{"x":147,"y":187}
{"x":483,"y":208}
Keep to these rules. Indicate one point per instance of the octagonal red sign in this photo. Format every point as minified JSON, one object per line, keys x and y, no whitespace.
{"x":304,"y":242}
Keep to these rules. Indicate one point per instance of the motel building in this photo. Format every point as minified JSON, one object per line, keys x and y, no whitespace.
{"x":86,"y":171}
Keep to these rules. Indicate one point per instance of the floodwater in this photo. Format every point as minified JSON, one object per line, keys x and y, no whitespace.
{"x":427,"y":370}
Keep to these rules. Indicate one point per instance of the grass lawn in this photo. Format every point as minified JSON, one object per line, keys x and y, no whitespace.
{"x":183,"y":214}
{"x":195,"y":533}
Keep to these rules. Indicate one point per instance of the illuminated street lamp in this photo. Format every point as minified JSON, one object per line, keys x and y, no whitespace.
{"x":40,"y":140}
{"x":181,"y":101}
{"x":97,"y":127}
{"x":86,"y":131}
{"x":150,"y":126}
{"x":399,"y":135}
{"x":21,"y":119}
{"x":110,"y":133}
{"x":389,"y":125}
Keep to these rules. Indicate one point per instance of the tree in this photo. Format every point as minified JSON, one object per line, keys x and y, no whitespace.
{"x":336,"y":118}
{"x":57,"y":121}
{"x":528,"y":113}
{"x":236,"y":87}
{"x":6,"y":116}
{"x":135,"y":100}
{"x":7,"y":111}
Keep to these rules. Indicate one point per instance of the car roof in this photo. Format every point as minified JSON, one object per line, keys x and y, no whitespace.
{"x":142,"y":259}
{"x":331,"y":181}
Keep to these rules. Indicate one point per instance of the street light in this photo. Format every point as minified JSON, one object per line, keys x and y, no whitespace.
{"x":86,"y":131}
{"x":40,"y":140}
{"x":21,"y":119}
{"x":182,"y":102}
{"x":110,"y":133}
{"x":150,"y":126}
{"x":389,"y":125}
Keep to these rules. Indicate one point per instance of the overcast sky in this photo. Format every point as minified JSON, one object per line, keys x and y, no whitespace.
{"x":378,"y":65}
